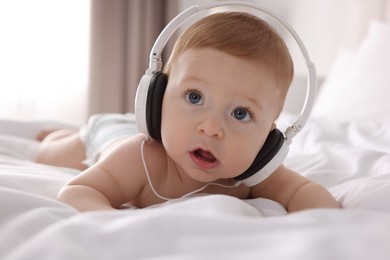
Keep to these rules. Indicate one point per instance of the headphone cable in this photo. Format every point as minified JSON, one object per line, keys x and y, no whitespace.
{"x":185,"y":195}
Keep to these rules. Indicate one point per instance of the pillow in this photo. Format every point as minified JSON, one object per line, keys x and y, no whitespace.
{"x":358,"y":86}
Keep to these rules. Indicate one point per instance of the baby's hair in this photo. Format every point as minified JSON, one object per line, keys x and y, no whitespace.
{"x":242,"y":35}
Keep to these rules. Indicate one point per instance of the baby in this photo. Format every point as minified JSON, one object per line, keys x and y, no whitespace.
{"x":228,"y":77}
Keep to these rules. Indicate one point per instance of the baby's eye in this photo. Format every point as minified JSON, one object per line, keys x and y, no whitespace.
{"x":194,"y":97}
{"x":242,"y":114}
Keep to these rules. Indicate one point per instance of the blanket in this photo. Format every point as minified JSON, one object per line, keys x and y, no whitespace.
{"x":352,"y":160}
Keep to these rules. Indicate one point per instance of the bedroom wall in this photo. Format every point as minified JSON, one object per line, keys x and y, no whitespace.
{"x":386,"y":11}
{"x":325,"y":27}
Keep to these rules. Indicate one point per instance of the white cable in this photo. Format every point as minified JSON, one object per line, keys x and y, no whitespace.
{"x":185,"y":195}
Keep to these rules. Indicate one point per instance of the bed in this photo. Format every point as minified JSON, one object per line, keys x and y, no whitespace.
{"x":345,"y":146}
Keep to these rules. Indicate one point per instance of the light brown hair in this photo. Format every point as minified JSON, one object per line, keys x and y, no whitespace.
{"x":242,"y":35}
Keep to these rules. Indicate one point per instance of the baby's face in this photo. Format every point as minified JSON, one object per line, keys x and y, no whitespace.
{"x":217,"y":112}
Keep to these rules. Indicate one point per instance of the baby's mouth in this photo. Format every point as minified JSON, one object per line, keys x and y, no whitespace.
{"x":204,"y":155}
{"x":203,"y":158}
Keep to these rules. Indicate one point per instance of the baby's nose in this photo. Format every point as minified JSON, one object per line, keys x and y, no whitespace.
{"x":211,"y":127}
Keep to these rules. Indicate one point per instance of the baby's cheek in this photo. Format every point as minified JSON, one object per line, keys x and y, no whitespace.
{"x":241,"y":158}
{"x":251,"y":151}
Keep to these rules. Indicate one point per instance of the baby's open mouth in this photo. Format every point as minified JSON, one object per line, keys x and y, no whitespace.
{"x":204,"y":155}
{"x":204,"y":159}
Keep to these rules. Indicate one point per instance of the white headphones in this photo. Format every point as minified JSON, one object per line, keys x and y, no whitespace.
{"x":151,"y":89}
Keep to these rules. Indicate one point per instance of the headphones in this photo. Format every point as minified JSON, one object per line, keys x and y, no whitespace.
{"x":151,"y":88}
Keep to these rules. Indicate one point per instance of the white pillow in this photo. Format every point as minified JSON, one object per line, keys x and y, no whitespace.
{"x":358,"y":87}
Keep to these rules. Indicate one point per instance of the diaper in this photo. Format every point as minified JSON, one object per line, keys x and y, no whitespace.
{"x":104,"y":129}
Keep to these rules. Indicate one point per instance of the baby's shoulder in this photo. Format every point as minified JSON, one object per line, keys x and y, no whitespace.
{"x":129,"y":157}
{"x":139,"y":148}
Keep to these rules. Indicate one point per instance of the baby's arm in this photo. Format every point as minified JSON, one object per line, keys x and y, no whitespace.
{"x":294,"y":191}
{"x":84,"y":198}
{"x":113,"y":181}
{"x":312,"y":195}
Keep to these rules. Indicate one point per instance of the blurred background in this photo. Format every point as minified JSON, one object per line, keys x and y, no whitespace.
{"x":64,"y":60}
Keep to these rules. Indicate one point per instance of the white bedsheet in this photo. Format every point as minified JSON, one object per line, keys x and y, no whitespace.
{"x":351,"y":159}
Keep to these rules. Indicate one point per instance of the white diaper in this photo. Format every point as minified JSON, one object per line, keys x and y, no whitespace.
{"x":104,"y":129}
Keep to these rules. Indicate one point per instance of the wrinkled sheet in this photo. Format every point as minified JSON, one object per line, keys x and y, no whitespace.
{"x":351,"y":159}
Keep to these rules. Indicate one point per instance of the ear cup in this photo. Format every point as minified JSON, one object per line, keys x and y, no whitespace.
{"x":156,"y":90}
{"x":271,"y":147}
